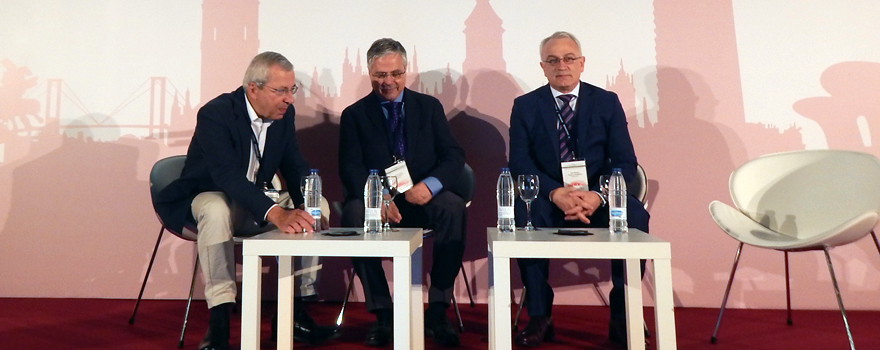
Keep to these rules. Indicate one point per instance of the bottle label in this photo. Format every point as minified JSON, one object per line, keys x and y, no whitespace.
{"x":505,"y":212}
{"x":617,"y":213}
{"x":373,"y":213}
{"x":314,"y":212}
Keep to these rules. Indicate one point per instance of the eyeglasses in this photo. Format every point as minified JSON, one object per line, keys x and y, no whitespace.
{"x":284,"y":91}
{"x":554,"y":61}
{"x":382,"y":75}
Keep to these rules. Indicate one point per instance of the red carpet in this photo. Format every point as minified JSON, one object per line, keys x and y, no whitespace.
{"x":103,"y":324}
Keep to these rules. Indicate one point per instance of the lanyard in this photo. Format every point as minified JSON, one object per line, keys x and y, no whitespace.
{"x":572,"y":143}
{"x":258,"y":154}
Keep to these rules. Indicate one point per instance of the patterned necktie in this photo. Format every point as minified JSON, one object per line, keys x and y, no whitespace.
{"x":565,"y":153}
{"x":395,"y":125}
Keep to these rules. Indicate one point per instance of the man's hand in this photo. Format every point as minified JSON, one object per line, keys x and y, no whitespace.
{"x":391,"y":211}
{"x":291,"y":220}
{"x":575,"y":203}
{"x":419,"y":194}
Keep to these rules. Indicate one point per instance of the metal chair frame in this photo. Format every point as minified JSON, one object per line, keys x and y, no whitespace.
{"x":802,"y":172}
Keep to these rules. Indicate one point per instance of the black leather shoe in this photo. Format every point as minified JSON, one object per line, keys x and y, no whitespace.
{"x":538,"y":330}
{"x":380,"y":335}
{"x":617,"y":333}
{"x":382,"y":332}
{"x":210,"y":342}
{"x":437,"y":326}
{"x":305,"y":330}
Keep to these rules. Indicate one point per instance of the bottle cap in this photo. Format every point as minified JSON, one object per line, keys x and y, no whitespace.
{"x":374,"y":171}
{"x":505,"y":169}
{"x":314,"y":171}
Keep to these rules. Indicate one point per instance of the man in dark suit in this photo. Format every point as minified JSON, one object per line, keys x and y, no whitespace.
{"x":562,"y":121}
{"x":390,"y":123}
{"x":241,"y":139}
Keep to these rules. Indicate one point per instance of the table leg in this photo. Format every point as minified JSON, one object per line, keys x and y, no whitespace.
{"x":252,"y":265}
{"x":664,"y":309}
{"x":285,"y":302}
{"x":635,"y":318}
{"x":417,"y":307}
{"x":404,"y":305}
{"x":500,"y":336}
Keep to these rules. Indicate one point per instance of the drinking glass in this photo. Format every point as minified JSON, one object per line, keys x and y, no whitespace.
{"x":528,"y":186}
{"x":390,"y":185}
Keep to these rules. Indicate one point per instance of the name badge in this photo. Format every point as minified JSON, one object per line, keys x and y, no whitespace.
{"x":401,"y":172}
{"x":574,"y":174}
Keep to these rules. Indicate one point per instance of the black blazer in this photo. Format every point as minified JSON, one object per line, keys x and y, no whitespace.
{"x":218,"y":157}
{"x":364,"y":141}
{"x":603,"y":141}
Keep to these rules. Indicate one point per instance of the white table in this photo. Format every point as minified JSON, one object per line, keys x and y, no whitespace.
{"x":601,"y":245}
{"x":403,"y":246}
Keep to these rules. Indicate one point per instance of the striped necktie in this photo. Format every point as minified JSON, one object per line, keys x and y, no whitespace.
{"x":565,"y":144}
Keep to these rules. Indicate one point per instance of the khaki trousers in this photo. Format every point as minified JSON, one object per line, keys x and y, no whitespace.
{"x":219,"y":219}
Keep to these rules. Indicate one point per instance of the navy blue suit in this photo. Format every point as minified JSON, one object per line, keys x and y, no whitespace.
{"x":218,"y":157}
{"x":602,"y":141}
{"x":431,"y":150}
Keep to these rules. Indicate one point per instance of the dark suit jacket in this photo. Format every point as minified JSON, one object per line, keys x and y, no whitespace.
{"x":218,"y":157}
{"x":603,"y":141}
{"x":364,"y":140}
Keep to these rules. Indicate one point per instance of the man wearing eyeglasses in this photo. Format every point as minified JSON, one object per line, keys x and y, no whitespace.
{"x":395,"y":125}
{"x":241,"y":139}
{"x":556,"y":125}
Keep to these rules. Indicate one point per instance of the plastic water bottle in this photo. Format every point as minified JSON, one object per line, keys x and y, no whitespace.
{"x":312,"y":197}
{"x":617,"y":203}
{"x":373,"y":203}
{"x":505,"y":197}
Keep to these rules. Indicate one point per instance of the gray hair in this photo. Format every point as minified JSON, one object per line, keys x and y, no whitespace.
{"x":383,"y":47}
{"x":558,"y":35}
{"x":258,"y":71}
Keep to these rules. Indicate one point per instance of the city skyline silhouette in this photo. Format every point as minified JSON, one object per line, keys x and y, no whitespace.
{"x":685,"y":114}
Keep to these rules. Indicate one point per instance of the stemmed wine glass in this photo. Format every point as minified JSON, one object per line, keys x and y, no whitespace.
{"x":391,"y":186}
{"x":603,"y":184}
{"x":528,"y":186}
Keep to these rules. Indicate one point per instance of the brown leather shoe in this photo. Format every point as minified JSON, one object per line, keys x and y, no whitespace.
{"x":538,"y":330}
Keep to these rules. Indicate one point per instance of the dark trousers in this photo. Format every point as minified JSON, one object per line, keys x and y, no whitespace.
{"x":535,"y":272}
{"x":446,"y":215}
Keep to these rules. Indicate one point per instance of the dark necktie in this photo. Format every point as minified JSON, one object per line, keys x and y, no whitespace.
{"x":565,"y":143}
{"x":395,"y":126}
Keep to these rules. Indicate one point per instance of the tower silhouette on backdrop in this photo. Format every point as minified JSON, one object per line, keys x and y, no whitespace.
{"x":229,"y":41}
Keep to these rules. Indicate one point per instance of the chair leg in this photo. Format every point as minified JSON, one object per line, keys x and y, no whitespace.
{"x":345,"y":299}
{"x":713,"y":340}
{"x":457,"y":315}
{"x":877,"y":244}
{"x":468,"y":286}
{"x":787,"y":290}
{"x":522,"y":301}
{"x":839,"y":300}
{"x":147,"y":276}
{"x":192,"y":286}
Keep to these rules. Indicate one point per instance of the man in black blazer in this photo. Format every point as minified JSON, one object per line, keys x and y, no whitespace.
{"x":241,"y":139}
{"x":390,"y":123}
{"x":541,"y":139}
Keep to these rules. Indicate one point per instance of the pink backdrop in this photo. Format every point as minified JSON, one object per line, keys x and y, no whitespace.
{"x":75,"y":214}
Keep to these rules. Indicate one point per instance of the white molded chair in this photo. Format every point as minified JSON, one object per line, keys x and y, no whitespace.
{"x":799,"y":201}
